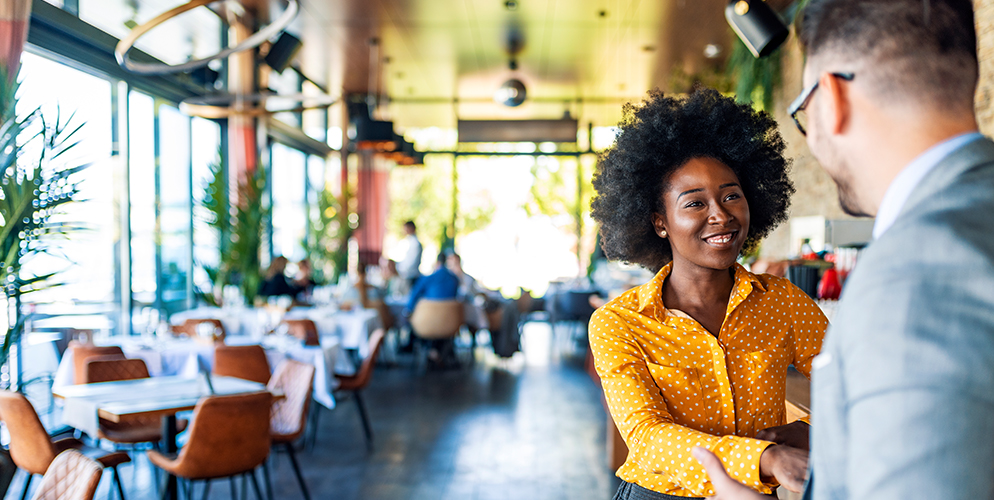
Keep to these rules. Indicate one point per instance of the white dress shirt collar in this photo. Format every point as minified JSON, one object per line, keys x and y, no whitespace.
{"x":901,"y":187}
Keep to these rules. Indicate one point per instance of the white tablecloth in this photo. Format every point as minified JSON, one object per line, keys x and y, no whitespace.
{"x":351,"y":327}
{"x":186,"y":358}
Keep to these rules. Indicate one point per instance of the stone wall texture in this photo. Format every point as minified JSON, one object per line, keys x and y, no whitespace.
{"x":816,"y":193}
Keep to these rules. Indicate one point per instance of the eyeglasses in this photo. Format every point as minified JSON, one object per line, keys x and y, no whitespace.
{"x":798,"y":107}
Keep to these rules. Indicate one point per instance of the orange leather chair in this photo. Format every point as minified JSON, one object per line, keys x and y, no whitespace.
{"x":356,"y":383}
{"x":81,"y":353}
{"x":229,"y":437}
{"x":189,"y":327}
{"x":31,"y":448}
{"x":289,"y":415}
{"x":144,"y":430}
{"x":246,"y":362}
{"x":304,"y":329}
{"x":72,"y":476}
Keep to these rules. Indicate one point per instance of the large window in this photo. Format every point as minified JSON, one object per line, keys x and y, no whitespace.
{"x":88,"y":259}
{"x":289,"y":202}
{"x":143,"y":204}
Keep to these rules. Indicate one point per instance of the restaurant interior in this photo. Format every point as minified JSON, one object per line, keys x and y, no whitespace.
{"x":216,"y":216}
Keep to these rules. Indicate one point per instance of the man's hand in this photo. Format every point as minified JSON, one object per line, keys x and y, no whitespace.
{"x":785,"y":464}
{"x":725,"y":487}
{"x":795,"y":434}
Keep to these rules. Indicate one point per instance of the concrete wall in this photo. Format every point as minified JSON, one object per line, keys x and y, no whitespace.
{"x":816,"y":193}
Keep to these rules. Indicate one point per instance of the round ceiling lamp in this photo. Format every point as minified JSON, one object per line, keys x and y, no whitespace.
{"x":218,"y":106}
{"x":511,"y":94}
{"x":257,"y":39}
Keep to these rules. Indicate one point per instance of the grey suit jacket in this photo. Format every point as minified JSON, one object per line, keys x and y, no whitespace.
{"x":903,"y":394}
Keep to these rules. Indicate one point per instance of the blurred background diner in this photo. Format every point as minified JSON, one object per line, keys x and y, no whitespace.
{"x":349,"y":241}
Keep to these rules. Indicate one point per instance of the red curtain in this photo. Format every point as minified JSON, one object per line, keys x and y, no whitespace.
{"x":14,"y":16}
{"x":373,"y":200}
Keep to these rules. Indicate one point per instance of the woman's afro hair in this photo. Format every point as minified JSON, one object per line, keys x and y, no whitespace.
{"x":658,"y":136}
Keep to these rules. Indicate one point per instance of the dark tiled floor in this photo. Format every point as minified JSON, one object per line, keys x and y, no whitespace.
{"x":528,"y":428}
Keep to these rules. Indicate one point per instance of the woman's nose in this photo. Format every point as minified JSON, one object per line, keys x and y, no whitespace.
{"x":719,"y":215}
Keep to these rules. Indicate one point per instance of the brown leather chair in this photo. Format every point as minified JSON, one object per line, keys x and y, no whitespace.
{"x":356,"y":383}
{"x":189,"y":327}
{"x":246,"y":362}
{"x":81,"y":353}
{"x":303,"y":329}
{"x":72,"y":476}
{"x":33,"y":450}
{"x":229,"y":437}
{"x":147,"y":429}
{"x":289,"y":415}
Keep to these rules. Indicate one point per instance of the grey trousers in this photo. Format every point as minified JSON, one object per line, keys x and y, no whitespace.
{"x":632,"y":491}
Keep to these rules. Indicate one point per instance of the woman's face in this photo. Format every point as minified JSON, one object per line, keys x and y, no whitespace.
{"x":706,"y":215}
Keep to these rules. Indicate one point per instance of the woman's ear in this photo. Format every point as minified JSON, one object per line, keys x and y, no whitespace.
{"x":659,"y":224}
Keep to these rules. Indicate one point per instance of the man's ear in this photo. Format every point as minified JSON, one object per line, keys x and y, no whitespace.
{"x":836,"y":103}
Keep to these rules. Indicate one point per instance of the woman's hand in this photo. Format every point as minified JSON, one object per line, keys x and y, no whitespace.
{"x":795,"y":435}
{"x":787,"y":465}
{"x":725,"y":488}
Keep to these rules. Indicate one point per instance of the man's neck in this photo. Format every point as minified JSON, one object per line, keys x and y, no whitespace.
{"x":894,"y":148}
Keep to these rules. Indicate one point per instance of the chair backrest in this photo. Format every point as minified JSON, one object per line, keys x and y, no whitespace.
{"x":229,"y":436}
{"x":295,"y":380}
{"x":30,"y":447}
{"x":386,"y":317}
{"x":303,"y":329}
{"x":365,"y":372}
{"x":190,"y":327}
{"x":81,"y":354}
{"x":72,"y":476}
{"x":243,"y":361}
{"x":100,"y":369}
{"x":437,"y":319}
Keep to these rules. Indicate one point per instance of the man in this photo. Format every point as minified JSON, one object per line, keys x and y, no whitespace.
{"x":408,"y":268}
{"x":439,"y":285}
{"x":903,"y":392}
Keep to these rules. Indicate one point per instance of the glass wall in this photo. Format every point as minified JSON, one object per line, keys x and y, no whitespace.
{"x":148,"y":238}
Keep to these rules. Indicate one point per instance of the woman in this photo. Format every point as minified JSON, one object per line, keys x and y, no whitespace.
{"x":698,"y":355}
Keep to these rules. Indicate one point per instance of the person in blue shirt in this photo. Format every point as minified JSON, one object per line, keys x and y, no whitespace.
{"x":442,"y":284}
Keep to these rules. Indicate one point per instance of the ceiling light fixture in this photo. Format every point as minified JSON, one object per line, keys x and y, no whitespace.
{"x":511,"y":94}
{"x":757,"y":25}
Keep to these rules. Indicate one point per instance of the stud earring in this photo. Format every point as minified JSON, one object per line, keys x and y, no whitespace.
{"x":662,"y":234}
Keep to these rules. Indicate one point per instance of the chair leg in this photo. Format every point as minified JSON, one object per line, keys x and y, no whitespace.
{"x":207,"y":488}
{"x":255,"y":485}
{"x":188,"y":490}
{"x":117,"y":480}
{"x":269,"y":483}
{"x":314,"y":418}
{"x":244,"y":488}
{"x":234,"y":490}
{"x":27,"y":484}
{"x":365,"y":420}
{"x":296,"y":471}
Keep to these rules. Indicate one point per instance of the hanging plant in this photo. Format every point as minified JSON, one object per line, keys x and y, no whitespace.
{"x":756,"y":80}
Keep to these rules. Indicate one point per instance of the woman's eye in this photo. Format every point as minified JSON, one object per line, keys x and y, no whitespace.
{"x":733,"y":196}
{"x":693,"y":204}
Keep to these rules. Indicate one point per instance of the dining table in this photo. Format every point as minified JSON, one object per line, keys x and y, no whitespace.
{"x":186,"y":357}
{"x":130,"y":400}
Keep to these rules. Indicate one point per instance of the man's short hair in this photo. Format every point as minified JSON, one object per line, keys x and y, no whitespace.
{"x":410,"y":225}
{"x":919,"y":49}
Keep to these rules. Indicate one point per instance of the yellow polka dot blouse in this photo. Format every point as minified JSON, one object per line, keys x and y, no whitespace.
{"x":671,"y":385}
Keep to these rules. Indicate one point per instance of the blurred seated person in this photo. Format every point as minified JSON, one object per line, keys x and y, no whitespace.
{"x":275,"y":282}
{"x":304,"y":280}
{"x":393,"y":284}
{"x":468,"y":291}
{"x":441,"y":284}
{"x":361,"y":292}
